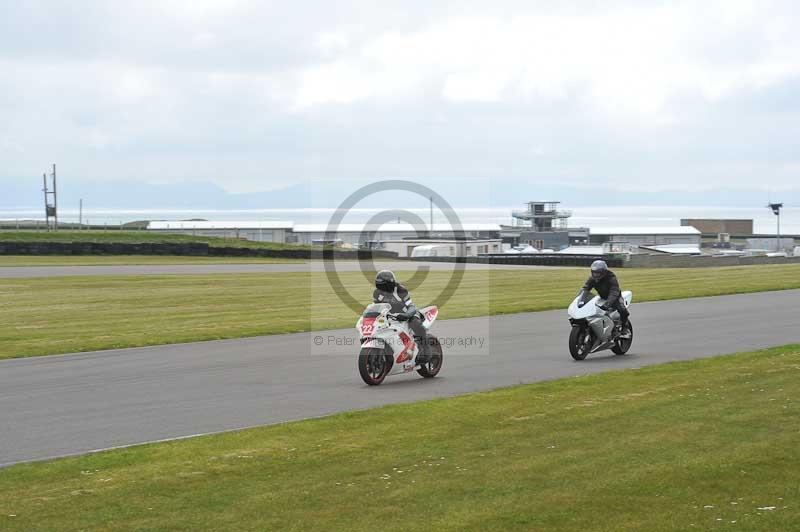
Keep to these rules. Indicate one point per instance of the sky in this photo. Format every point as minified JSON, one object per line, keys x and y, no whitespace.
{"x":254,"y":96}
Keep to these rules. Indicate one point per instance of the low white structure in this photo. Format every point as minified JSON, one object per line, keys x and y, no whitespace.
{"x":771,"y":244}
{"x":583,"y":250}
{"x":433,"y":250}
{"x":611,"y":247}
{"x":441,"y":248}
{"x":258,"y":231}
{"x":521,"y":249}
{"x":371,"y":235}
{"x":646,"y":236}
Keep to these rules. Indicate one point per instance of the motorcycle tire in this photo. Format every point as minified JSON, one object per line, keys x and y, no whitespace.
{"x":373,"y":365}
{"x":621,"y":345}
{"x":431,"y":368}
{"x":577,"y":345}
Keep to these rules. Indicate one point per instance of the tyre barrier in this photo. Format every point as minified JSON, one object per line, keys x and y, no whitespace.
{"x":194,"y":249}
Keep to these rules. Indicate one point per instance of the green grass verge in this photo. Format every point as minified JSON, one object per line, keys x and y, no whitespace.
{"x":126,"y":260}
{"x":702,"y":445}
{"x":65,"y":314}
{"x":137,"y":237}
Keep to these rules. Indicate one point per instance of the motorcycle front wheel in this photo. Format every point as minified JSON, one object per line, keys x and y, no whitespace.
{"x":431,"y":367}
{"x":374,"y":365}
{"x":579,"y":342}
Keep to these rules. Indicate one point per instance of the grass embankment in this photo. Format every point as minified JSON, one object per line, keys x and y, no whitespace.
{"x":65,"y":314}
{"x":131,"y":260}
{"x":138,"y":237}
{"x":710,"y":444}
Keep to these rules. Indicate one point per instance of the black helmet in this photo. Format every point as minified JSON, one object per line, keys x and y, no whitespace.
{"x":386,"y":281}
{"x":599,"y":269}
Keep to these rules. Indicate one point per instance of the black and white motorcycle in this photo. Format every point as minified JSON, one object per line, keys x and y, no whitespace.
{"x":595,"y":329}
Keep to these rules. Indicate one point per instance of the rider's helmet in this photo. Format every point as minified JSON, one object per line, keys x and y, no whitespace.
{"x":599,"y":269}
{"x":386,"y":281}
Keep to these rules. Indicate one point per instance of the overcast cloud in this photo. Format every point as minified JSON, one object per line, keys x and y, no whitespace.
{"x":259,"y":95}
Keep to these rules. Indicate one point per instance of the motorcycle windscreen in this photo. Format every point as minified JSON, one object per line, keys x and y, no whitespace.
{"x":374,"y":310}
{"x":588,"y":310}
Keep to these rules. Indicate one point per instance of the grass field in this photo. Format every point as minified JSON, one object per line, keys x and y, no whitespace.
{"x":132,"y":237}
{"x":125,"y":260}
{"x":703,"y":445}
{"x":66,"y":314}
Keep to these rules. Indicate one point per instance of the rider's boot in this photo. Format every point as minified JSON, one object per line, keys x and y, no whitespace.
{"x":424,"y":351}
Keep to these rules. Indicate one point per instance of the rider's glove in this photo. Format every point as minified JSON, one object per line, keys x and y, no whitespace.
{"x":603,"y":307}
{"x":402,"y":317}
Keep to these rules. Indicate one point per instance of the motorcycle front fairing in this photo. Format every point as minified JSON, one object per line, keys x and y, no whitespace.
{"x":373,"y":317}
{"x":590,"y":315}
{"x":378,"y":329}
{"x":588,"y":310}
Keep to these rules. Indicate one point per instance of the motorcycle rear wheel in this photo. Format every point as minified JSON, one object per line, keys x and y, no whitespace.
{"x":374,"y":365}
{"x":621,"y":345}
{"x":578,"y":347}
{"x":431,"y":368}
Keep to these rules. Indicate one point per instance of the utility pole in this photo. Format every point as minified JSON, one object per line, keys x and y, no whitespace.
{"x":80,"y":214}
{"x":776,"y":210}
{"x":430,"y":232}
{"x":46,"y":206}
{"x":55,"y":197}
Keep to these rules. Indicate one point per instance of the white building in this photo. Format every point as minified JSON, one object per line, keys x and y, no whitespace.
{"x":258,"y":231}
{"x":373,"y":234}
{"x":770,"y":244}
{"x":441,"y":248}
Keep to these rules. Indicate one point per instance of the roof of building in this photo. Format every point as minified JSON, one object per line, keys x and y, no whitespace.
{"x":438,"y":241}
{"x":674,"y":249}
{"x":668,"y":230}
{"x":222,"y":224}
{"x":391,"y":228}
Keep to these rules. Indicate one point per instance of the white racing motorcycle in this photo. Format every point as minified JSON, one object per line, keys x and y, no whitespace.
{"x":388,"y":346}
{"x":595,"y":329}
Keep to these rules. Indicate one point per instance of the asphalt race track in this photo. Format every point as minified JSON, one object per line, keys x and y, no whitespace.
{"x":9,"y":272}
{"x":68,"y":404}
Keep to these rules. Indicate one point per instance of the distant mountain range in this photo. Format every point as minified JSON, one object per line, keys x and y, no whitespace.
{"x":499,"y":193}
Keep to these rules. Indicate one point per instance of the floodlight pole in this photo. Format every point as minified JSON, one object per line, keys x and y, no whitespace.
{"x":55,"y":198}
{"x":776,"y":210}
{"x":430,"y":231}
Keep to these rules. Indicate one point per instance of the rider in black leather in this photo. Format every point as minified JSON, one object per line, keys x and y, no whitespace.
{"x":606,"y":284}
{"x":388,"y":290}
